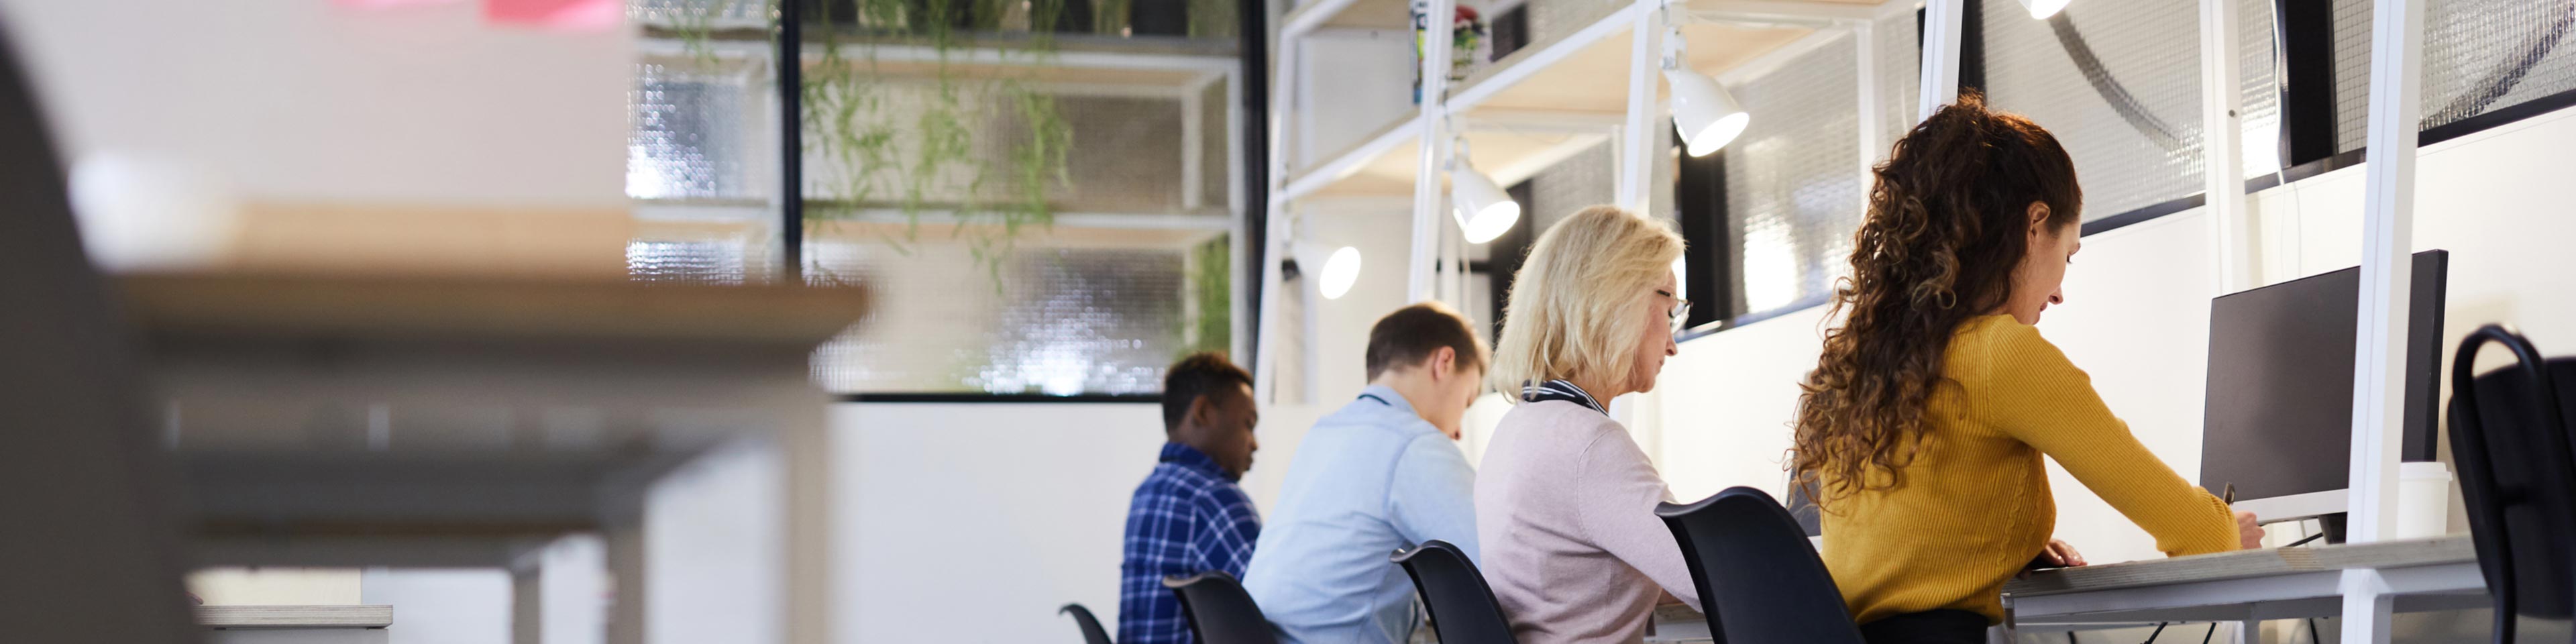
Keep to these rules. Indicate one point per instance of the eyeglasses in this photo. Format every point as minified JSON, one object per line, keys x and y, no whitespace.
{"x":1680,"y":313}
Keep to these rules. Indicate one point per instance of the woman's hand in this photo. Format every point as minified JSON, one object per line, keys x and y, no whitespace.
{"x":2057,"y":554}
{"x":2249,"y":535}
{"x":2061,"y":554}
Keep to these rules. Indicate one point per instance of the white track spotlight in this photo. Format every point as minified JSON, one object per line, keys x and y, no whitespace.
{"x":1483,"y":210}
{"x":1334,"y":270}
{"x":1707,"y":117}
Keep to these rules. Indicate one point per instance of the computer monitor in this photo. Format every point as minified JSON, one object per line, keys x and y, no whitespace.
{"x":2278,"y":426}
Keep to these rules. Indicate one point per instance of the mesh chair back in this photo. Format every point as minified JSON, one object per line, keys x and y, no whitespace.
{"x":1220,"y":612}
{"x":1463,"y":610}
{"x":1759,"y":580}
{"x":1091,"y":631}
{"x":2510,"y":438}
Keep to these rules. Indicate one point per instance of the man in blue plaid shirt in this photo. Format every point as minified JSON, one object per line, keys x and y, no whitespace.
{"x":1189,"y":516}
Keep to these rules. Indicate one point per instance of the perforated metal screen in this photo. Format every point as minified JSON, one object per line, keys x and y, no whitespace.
{"x":1061,"y":320}
{"x":2118,"y":83}
{"x":693,"y":135}
{"x":1793,"y":179}
{"x":2479,"y":56}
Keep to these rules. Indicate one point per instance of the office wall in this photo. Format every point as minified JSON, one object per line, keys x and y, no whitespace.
{"x":2136,"y":317}
{"x":336,"y":136}
{"x":965,"y":522}
{"x":442,"y":606}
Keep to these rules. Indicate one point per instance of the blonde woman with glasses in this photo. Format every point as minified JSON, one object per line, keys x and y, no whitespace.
{"x":1565,"y":500}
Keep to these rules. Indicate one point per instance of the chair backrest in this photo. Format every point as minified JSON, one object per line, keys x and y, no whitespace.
{"x":2510,"y":438}
{"x":1462,"y":606}
{"x":1759,"y":579}
{"x":76,"y":453}
{"x":1091,"y":631}
{"x":1220,"y":612}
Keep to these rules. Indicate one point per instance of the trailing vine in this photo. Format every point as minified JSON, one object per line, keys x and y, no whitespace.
{"x":913,"y":143}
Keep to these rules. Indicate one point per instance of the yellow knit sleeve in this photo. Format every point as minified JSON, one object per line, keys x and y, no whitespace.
{"x":2032,"y":392}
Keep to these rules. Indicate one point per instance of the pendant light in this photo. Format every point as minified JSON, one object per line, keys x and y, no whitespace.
{"x":1707,"y":117}
{"x":2042,"y":9}
{"x":1483,"y":210}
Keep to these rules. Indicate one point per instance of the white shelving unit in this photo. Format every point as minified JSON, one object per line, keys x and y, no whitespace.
{"x":1529,"y":111}
{"x":1543,"y":103}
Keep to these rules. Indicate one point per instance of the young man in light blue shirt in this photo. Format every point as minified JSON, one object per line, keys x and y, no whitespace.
{"x":1382,"y":473}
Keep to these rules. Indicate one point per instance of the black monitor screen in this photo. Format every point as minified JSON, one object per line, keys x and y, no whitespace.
{"x":2279,"y":417}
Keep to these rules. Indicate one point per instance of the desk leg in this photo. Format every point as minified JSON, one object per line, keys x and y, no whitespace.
{"x":626,"y":557}
{"x":2248,"y":632}
{"x":527,"y":602}
{"x":2366,"y":607}
{"x":809,"y":569}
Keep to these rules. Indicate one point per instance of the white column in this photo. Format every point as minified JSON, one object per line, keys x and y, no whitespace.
{"x":1639,"y":134}
{"x":2222,"y":144}
{"x":1872,"y":144}
{"x":2387,"y":236}
{"x":1940,"y":55}
{"x":1428,"y":172}
{"x":1276,"y":241}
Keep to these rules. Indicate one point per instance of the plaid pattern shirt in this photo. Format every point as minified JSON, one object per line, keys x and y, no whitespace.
{"x":1187,"y":518}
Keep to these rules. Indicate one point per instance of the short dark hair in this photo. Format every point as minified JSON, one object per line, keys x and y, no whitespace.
{"x":1411,"y":334}
{"x":1194,"y":377}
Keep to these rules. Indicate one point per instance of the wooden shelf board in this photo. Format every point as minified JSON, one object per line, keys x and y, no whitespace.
{"x":1587,"y":70}
{"x":1349,"y":14}
{"x":342,"y":616}
{"x":293,"y":305}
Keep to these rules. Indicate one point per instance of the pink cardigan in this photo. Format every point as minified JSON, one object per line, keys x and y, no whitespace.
{"x":1565,"y":506}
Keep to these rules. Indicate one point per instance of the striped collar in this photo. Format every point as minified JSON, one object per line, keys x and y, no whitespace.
{"x":1561,"y":390}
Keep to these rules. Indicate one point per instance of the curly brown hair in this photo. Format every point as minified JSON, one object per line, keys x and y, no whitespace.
{"x":1945,"y":228}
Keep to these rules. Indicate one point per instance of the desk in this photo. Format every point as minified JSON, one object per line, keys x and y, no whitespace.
{"x":351,"y":624}
{"x":373,"y":421}
{"x":2439,"y":573}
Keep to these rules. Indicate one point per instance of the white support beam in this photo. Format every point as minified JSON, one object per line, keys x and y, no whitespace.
{"x":1306,"y":18}
{"x":2388,"y":224}
{"x":1941,"y":20}
{"x":1638,"y":137}
{"x":1782,"y":11}
{"x":1276,"y":240}
{"x":1870,"y":103}
{"x":1238,"y":249}
{"x":1193,"y":149}
{"x":1436,"y":21}
{"x":1779,"y":58}
{"x":2223,"y":126}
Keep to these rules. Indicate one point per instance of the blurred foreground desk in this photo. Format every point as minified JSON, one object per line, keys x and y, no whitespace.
{"x":353,"y":624}
{"x":2439,"y":573}
{"x":368,"y":421}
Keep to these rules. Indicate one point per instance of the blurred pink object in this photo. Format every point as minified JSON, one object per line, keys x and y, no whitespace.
{"x":567,"y":15}
{"x":379,"y":4}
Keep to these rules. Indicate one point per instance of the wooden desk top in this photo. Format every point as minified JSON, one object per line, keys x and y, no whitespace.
{"x":2450,"y":549}
{"x":380,"y":307}
{"x":342,"y":616}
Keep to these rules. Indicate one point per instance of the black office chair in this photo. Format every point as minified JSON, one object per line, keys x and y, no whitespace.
{"x":1759,"y":580}
{"x":1219,"y":611}
{"x":2509,"y":436}
{"x":1462,"y":606}
{"x":77,"y":455}
{"x":1091,"y":631}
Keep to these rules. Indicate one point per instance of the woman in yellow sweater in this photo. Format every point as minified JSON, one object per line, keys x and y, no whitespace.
{"x":1923,"y":425}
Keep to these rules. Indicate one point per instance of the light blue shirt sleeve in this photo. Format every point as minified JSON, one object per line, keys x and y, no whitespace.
{"x":1433,"y":494}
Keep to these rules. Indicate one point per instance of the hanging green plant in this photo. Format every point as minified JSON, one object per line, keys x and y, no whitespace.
{"x":983,"y":148}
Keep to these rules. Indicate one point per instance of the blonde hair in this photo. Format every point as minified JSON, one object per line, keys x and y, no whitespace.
{"x":1570,"y":314}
